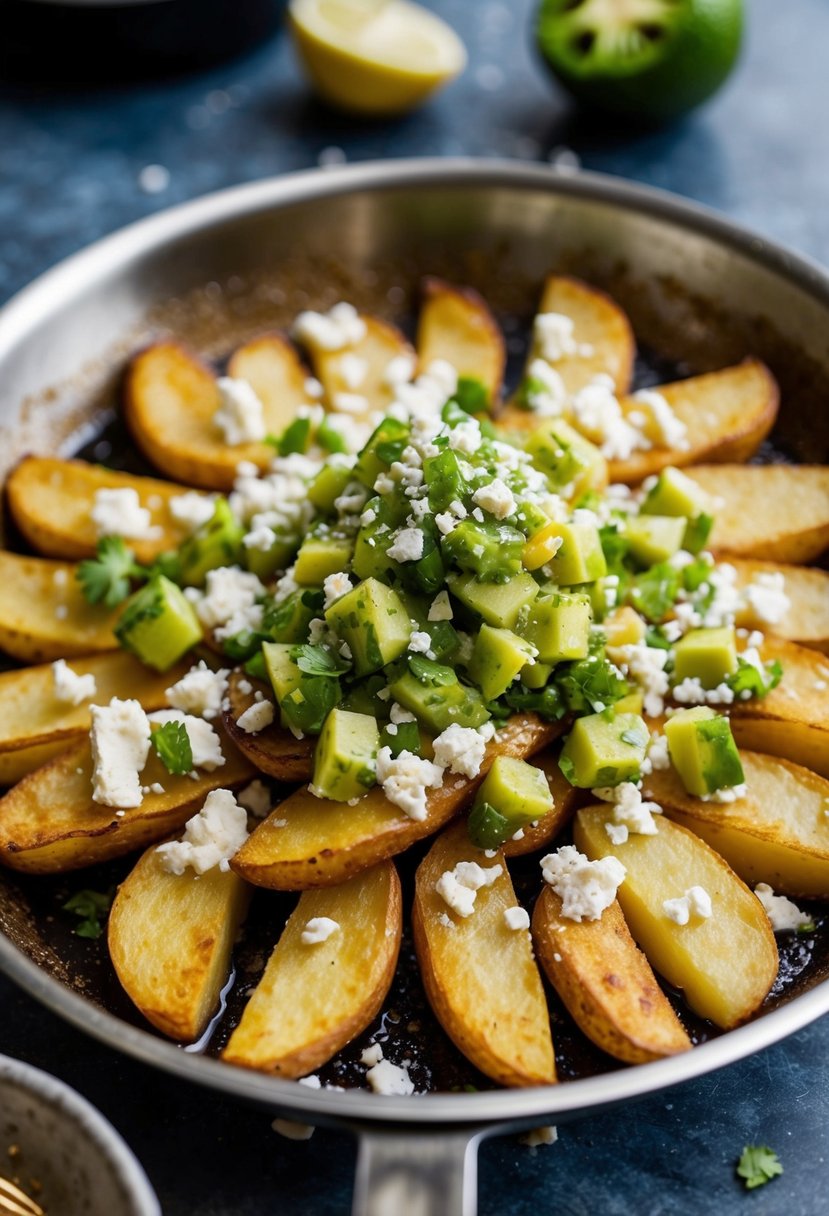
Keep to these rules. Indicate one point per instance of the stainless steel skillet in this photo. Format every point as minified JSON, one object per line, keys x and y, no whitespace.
{"x":698,"y":289}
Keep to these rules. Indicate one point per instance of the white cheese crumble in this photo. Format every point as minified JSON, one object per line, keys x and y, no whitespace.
{"x":407,"y":545}
{"x":341,"y":326}
{"x":461,"y":749}
{"x":691,"y":692}
{"x":256,"y":798}
{"x":598,"y":415}
{"x":466,"y":437}
{"x":192,"y":509}
{"x":69,"y":686}
{"x":766,"y":597}
{"x":540,"y":1136}
{"x":199,"y":692}
{"x":334,"y":587}
{"x":353,"y":369}
{"x":668,"y":430}
{"x":497,"y":498}
{"x":695,"y":902}
{"x":350,"y":403}
{"x":405,"y":780}
{"x":645,"y":665}
{"x":371,"y":1055}
{"x":782,"y":913}
{"x":318,"y":929}
{"x":585,"y":887}
{"x":210,"y":838}
{"x":118,"y":512}
{"x":658,"y":756}
{"x":256,"y":717}
{"x":399,"y":370}
{"x":629,"y":810}
{"x":548,"y":395}
{"x":120,"y":741}
{"x":440,"y":608}
{"x":420,"y":642}
{"x":205,"y":744}
{"x":389,"y":1079}
{"x":729,"y":793}
{"x":458,"y":888}
{"x":241,"y":415}
{"x":516,"y":918}
{"x":553,"y":333}
{"x":229,"y":604}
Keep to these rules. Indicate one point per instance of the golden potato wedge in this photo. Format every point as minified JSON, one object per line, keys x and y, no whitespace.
{"x":51,"y":503}
{"x":376,"y":349}
{"x":727,"y":414}
{"x":313,"y":999}
{"x":315,"y":842}
{"x":566,"y":798}
{"x":273,"y":750}
{"x":49,"y":823}
{"x":33,"y":719}
{"x":725,"y":964}
{"x":598,"y":322}
{"x":43,"y":614}
{"x":606,"y":982}
{"x":793,"y":720}
{"x":457,"y":325}
{"x":778,"y":833}
{"x":807,"y":619}
{"x":777,"y":512}
{"x":170,"y":399}
{"x":480,"y":975}
{"x":170,"y":938}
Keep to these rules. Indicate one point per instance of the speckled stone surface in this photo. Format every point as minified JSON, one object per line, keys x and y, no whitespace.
{"x":69,"y":172}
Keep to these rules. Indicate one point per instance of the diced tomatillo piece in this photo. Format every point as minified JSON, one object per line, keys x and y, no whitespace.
{"x":708,"y":655}
{"x":329,"y":484}
{"x":158,"y":624}
{"x":384,"y":446}
{"x":304,"y":700}
{"x":488,"y":828}
{"x":498,"y":604}
{"x":345,"y":756}
{"x":374,"y":622}
{"x":215,"y":543}
{"x":572,"y":463}
{"x":517,"y":792}
{"x":536,"y":675}
{"x":654,"y":538}
{"x":491,"y":551}
{"x":558,"y":626}
{"x":439,"y":705}
{"x":575,"y":553}
{"x":676,"y":494}
{"x":445,"y":481}
{"x":497,"y":658}
{"x":321,"y":555}
{"x":265,"y":562}
{"x":291,"y":620}
{"x":604,"y":749}
{"x":703,"y":751}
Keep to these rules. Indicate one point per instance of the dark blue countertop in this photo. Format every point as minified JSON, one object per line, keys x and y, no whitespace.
{"x":69,"y":172}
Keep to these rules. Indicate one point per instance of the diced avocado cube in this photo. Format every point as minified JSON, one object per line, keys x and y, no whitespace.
{"x":304,"y":700}
{"x":374,"y":622}
{"x":676,"y":494}
{"x":401,"y":737}
{"x":321,"y":554}
{"x":558,"y":626}
{"x":444,"y":480}
{"x":536,"y":675}
{"x":371,"y":559}
{"x":384,"y":446}
{"x":697,"y":532}
{"x":708,"y":655}
{"x":492,"y":551}
{"x":624,"y":627}
{"x":345,"y":756}
{"x":437,"y":698}
{"x":215,"y":543}
{"x":328,"y":485}
{"x":265,"y":562}
{"x":290,"y":620}
{"x":703,"y":751}
{"x":604,"y":750}
{"x":654,"y":538}
{"x":487,"y":828}
{"x":426,"y":574}
{"x":517,"y":791}
{"x":496,"y":603}
{"x":631,"y":703}
{"x":572,"y":552}
{"x":572,"y":463}
{"x":158,"y":624}
{"x":497,"y":658}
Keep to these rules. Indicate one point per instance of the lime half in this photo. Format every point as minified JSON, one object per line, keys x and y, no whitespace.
{"x":644,"y":59}
{"x":375,"y":56}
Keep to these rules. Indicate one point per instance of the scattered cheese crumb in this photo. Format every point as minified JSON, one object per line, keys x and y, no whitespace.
{"x":459,"y":887}
{"x":461,"y":749}
{"x":70,"y":687}
{"x":118,"y":512}
{"x":120,"y":741}
{"x":407,"y":546}
{"x":341,"y":326}
{"x":210,"y":838}
{"x":585,"y":887}
{"x":256,"y":717}
{"x":389,"y":1079}
{"x":516,"y":918}
{"x":192,"y":509}
{"x":782,"y":913}
{"x":241,"y":415}
{"x":335,"y":586}
{"x":496,"y":497}
{"x":405,"y":780}
{"x":318,"y":930}
{"x":199,"y":692}
{"x":695,"y":902}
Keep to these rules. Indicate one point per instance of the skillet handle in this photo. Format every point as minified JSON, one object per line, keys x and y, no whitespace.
{"x":411,"y":1173}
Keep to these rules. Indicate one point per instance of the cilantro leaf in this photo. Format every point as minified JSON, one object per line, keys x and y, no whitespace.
{"x":654,"y":592}
{"x":106,"y":578}
{"x":590,"y":685}
{"x":89,"y":907}
{"x":758,"y":1165}
{"x":172,"y":745}
{"x":319,"y":661}
{"x":748,"y":681}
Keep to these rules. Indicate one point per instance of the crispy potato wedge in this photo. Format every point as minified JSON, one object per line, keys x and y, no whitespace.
{"x":597,"y":322}
{"x":777,"y":512}
{"x":606,"y":983}
{"x":49,"y":823}
{"x":793,"y":720}
{"x":725,"y":964}
{"x":171,"y":397}
{"x":479,"y":975}
{"x":51,"y":503}
{"x":380,"y":344}
{"x":456,"y":324}
{"x":43,"y":614}
{"x":313,"y":999}
{"x":728,"y":415}
{"x":33,"y":719}
{"x":807,"y":619}
{"x":315,"y":842}
{"x":273,"y":750}
{"x":170,"y":937}
{"x":566,"y":798}
{"x":778,"y":833}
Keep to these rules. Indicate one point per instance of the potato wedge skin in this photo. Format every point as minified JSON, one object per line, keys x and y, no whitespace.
{"x":271,"y":366}
{"x":170,"y":938}
{"x":606,"y":983}
{"x":312,"y":1000}
{"x":567,"y":799}
{"x":314,"y":842}
{"x":43,"y":614}
{"x":778,"y":833}
{"x":49,"y":823}
{"x":807,"y":620}
{"x":456,"y":324}
{"x":273,"y":750}
{"x":725,"y":964}
{"x":51,"y":501}
{"x":792,"y":721}
{"x":380,"y":344}
{"x":479,"y":975}
{"x":776,"y":512}
{"x":727,"y":414}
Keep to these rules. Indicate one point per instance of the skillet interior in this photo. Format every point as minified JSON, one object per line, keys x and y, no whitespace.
{"x":688,"y":300}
